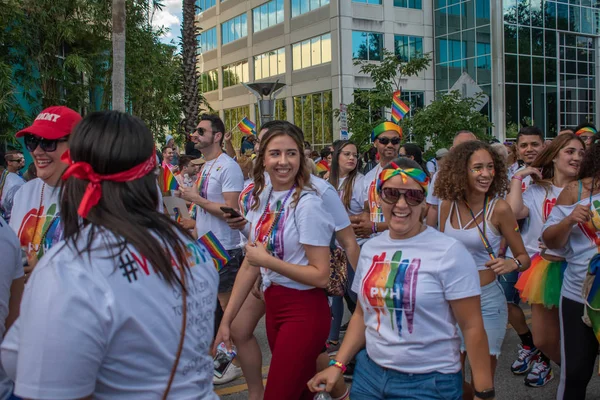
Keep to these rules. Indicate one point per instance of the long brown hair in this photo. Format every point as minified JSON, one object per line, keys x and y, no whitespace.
{"x":334,"y":176}
{"x":545,"y":159}
{"x":302,"y":178}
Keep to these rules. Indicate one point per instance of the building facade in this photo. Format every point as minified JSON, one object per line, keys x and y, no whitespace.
{"x":535,"y":61}
{"x":309,"y":45}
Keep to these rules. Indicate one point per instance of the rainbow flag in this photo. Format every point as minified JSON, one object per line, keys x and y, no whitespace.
{"x":322,"y":166}
{"x":193,"y":211}
{"x":215,"y":249}
{"x":399,"y":108}
{"x":247,"y":127}
{"x":169,"y":181}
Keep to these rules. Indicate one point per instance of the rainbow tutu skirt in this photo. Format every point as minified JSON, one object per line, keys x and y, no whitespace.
{"x":542,"y":281}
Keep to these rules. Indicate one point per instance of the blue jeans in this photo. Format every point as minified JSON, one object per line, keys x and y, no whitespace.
{"x":337,"y":307}
{"x":372,"y":382}
{"x":508,"y":282}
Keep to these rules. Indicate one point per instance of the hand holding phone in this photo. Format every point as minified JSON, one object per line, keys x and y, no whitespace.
{"x":233,"y":213}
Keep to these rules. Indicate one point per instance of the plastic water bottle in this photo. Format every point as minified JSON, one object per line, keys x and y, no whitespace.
{"x":323,"y":395}
{"x":222,"y":359}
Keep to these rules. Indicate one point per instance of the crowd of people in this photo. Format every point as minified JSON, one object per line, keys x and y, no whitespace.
{"x":104,"y":294}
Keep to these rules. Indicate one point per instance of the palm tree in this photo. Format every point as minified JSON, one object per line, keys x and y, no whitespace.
{"x":118,"y":41}
{"x":189,"y":45}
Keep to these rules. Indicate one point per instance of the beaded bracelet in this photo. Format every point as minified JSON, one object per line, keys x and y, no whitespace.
{"x":517,"y":177}
{"x":337,"y":364}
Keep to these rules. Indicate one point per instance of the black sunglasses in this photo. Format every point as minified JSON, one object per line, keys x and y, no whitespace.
{"x":413,"y":197}
{"x":48,"y":145}
{"x":385,"y":141}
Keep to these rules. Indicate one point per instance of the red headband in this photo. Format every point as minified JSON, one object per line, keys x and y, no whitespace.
{"x":93,"y":192}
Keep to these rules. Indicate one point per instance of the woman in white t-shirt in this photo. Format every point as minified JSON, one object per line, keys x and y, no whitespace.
{"x":414,"y":285}
{"x":554,"y":168}
{"x":573,"y":232}
{"x":469,"y":184}
{"x":344,"y":176}
{"x":289,"y":233}
{"x":123,"y":307}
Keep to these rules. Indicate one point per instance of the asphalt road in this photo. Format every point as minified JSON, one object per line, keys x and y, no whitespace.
{"x":508,"y":386}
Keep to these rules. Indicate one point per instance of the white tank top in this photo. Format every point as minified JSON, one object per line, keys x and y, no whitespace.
{"x":471,"y":237}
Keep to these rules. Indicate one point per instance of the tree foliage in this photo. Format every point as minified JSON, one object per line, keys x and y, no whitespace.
{"x":436,"y":124}
{"x":60,"y":53}
{"x":369,"y":106}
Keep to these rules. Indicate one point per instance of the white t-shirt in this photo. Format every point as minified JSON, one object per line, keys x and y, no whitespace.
{"x":331,"y":201}
{"x":432,"y":166}
{"x":357,"y":202}
{"x":306,"y":223}
{"x":109,"y":325}
{"x":526,"y":181}
{"x":370,"y":194}
{"x":11,"y":268}
{"x":540,"y":204}
{"x":404,"y":288}
{"x":218,"y":176}
{"x":583,"y":244}
{"x":431,"y":199}
{"x":33,"y":223}
{"x":12,"y":183}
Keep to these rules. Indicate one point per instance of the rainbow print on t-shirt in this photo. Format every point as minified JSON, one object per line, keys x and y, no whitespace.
{"x":273,"y":241}
{"x":390,"y":286}
{"x":591,"y":229}
{"x":374,"y":203}
{"x":39,"y":235}
{"x":245,"y":199}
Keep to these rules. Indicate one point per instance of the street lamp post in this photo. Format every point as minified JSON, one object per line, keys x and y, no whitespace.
{"x":265,"y":93}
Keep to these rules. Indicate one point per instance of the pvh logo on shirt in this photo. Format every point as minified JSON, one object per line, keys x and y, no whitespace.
{"x":390,"y":287}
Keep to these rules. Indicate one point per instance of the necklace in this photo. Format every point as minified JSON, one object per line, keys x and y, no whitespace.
{"x":204,"y":179}
{"x":267,"y":238}
{"x":37,"y":218}
{"x":482,"y":236}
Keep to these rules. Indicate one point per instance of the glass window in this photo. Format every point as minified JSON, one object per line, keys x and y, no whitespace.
{"x":269,"y":64}
{"x":415,"y":100}
{"x":367,"y":45}
{"x":313,"y":113}
{"x":235,"y":73}
{"x":203,"y":5}
{"x":311,"y":52}
{"x":209,"y":81}
{"x":367,"y":1}
{"x":408,"y":47}
{"x":232,"y":117}
{"x":234,"y":29}
{"x":416,"y":4}
{"x":300,"y":7}
{"x":207,"y":40}
{"x":267,"y":15}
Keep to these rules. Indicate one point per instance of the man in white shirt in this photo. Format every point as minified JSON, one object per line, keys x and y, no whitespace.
{"x":10,"y":181}
{"x":219,"y":185}
{"x":386,"y":138}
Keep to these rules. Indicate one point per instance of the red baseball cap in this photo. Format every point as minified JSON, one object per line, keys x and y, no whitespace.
{"x":53,"y":123}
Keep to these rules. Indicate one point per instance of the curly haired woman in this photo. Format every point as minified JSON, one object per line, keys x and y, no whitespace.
{"x":469,"y":185}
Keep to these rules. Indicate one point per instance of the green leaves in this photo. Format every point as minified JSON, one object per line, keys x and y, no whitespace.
{"x":436,"y":124}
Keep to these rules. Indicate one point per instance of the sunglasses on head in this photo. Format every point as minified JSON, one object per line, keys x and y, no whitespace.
{"x":16,"y":160}
{"x":385,"y":141}
{"x":47,"y":145}
{"x":413,"y":197}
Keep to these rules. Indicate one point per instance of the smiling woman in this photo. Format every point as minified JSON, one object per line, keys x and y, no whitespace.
{"x":424,"y":283}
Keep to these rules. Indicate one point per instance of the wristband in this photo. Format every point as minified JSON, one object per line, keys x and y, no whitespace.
{"x":519,"y":265}
{"x":374,"y":227}
{"x":337,"y":364}
{"x":517,"y":177}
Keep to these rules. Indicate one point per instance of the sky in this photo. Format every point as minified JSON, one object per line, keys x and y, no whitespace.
{"x":170,"y":17}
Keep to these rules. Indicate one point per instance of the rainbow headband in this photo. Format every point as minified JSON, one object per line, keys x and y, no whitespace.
{"x":586,"y":129}
{"x":384,"y":127}
{"x":414,"y":173}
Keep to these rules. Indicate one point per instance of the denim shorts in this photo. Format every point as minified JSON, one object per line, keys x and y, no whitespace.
{"x":228,"y":273}
{"x":495,"y":317}
{"x":508,"y":281}
{"x":372,"y":382}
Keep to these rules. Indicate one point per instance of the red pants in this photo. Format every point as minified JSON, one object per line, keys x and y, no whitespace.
{"x":297,"y":328}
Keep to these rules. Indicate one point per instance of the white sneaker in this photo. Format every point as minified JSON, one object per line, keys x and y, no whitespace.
{"x":231,"y":374}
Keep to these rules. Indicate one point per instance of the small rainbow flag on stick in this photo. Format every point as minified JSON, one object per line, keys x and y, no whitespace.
{"x":322,"y":166}
{"x":399,"y":108}
{"x":215,"y":249}
{"x":169,"y":181}
{"x":247,"y":127}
